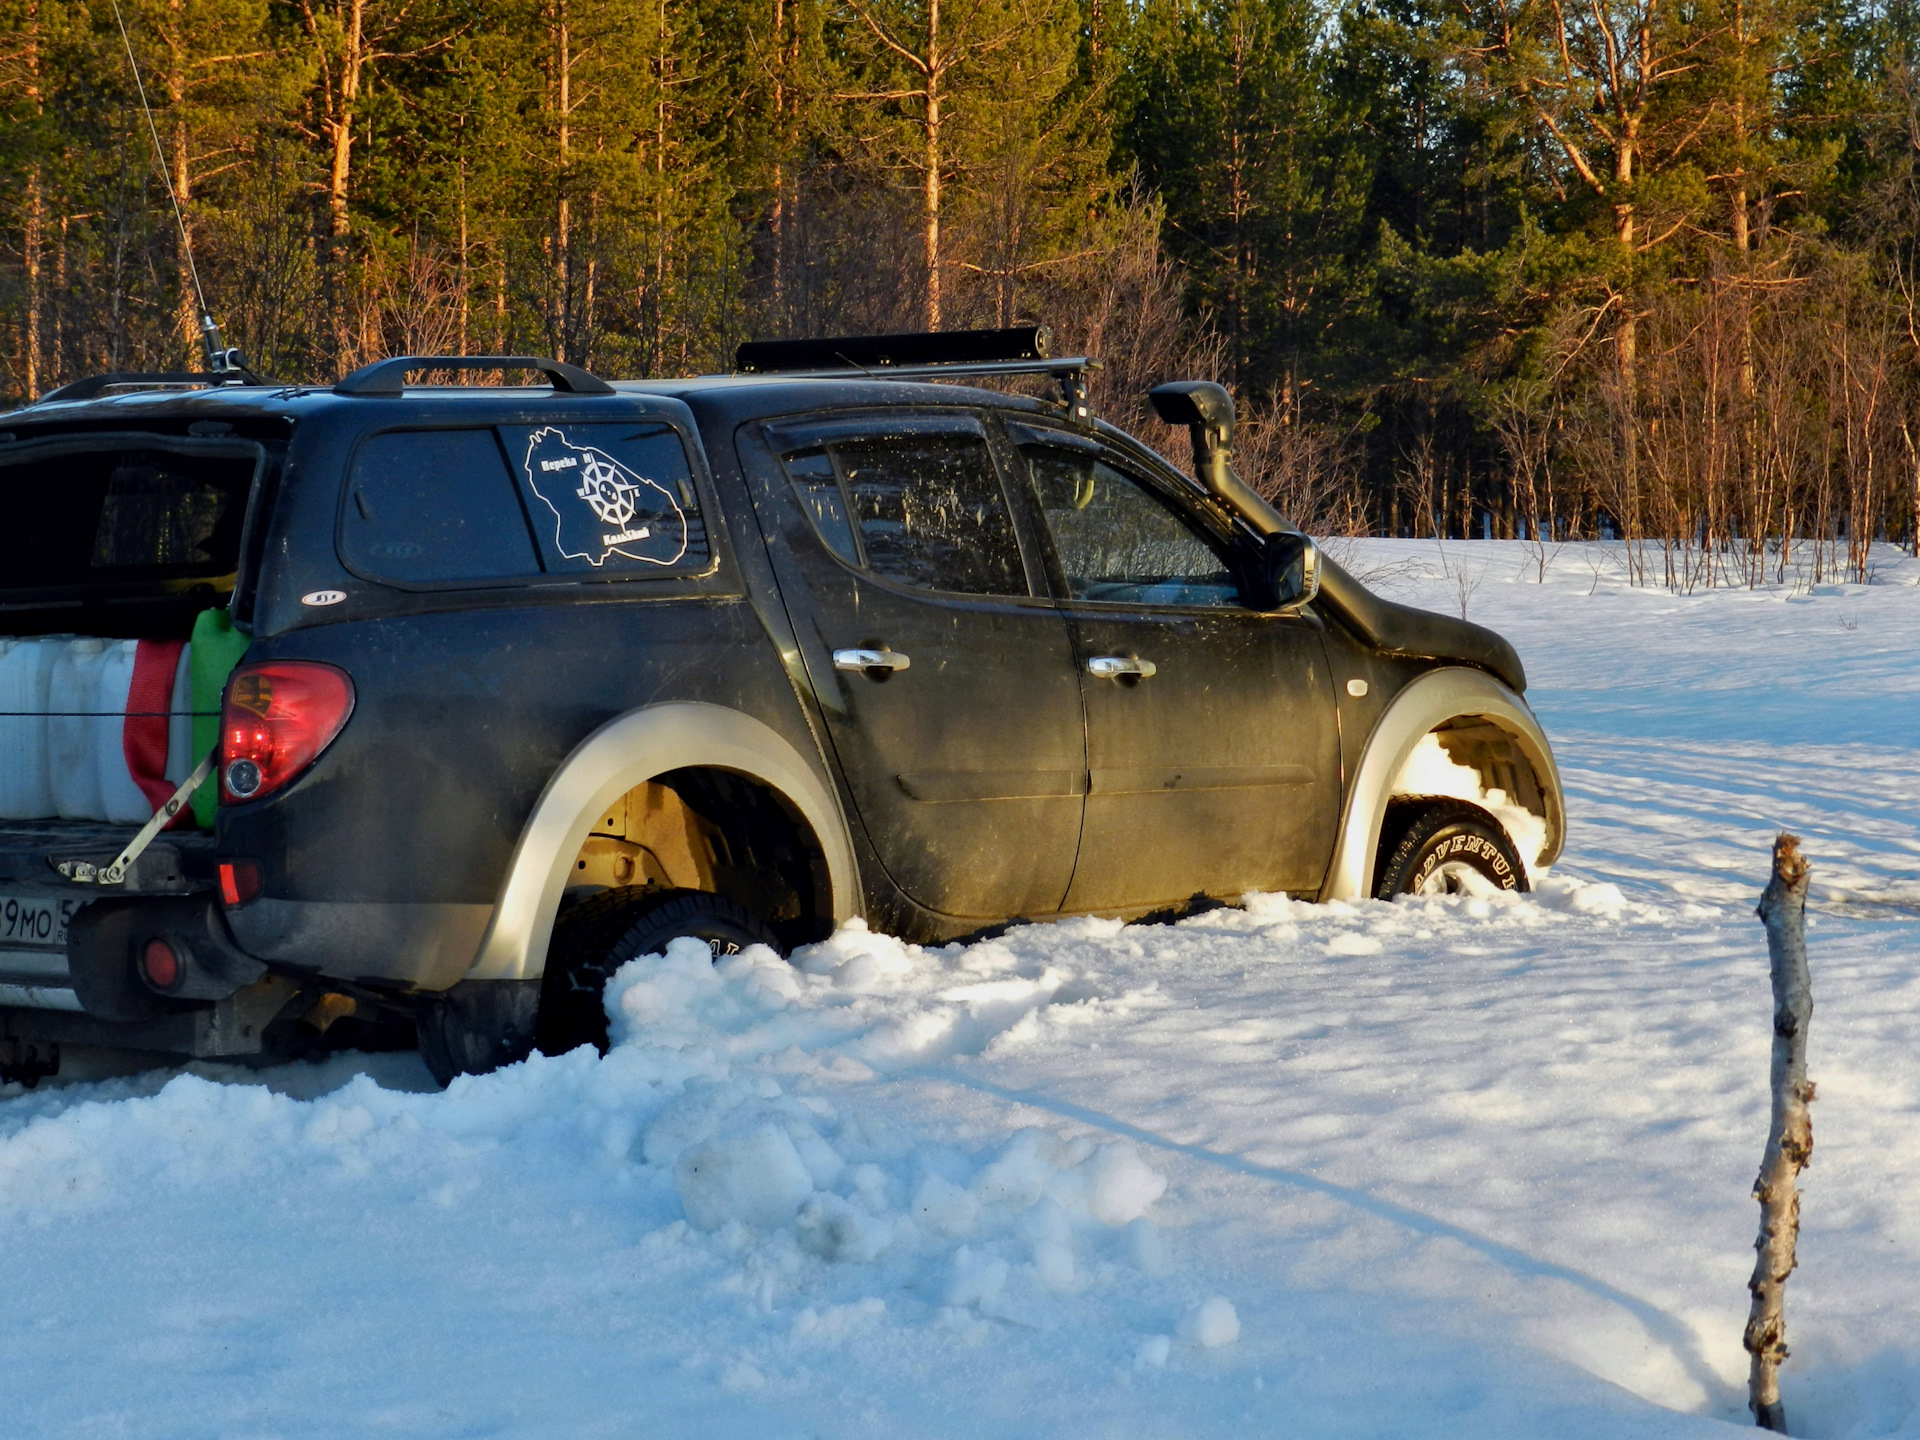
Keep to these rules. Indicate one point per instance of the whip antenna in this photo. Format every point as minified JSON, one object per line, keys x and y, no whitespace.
{"x":219,"y":358}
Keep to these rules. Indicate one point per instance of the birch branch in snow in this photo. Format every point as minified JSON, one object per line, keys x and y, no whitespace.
{"x":1783,"y":909}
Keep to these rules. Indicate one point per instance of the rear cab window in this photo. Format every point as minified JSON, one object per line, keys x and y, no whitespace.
{"x":429,"y":507}
{"x":488,"y":505}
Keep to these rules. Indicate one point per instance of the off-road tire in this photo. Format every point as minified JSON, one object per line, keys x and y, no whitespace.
{"x":1425,"y":840}
{"x":476,"y":1027}
{"x":595,"y":937}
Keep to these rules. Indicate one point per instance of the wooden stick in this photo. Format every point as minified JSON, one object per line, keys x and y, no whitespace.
{"x":1783,"y":910}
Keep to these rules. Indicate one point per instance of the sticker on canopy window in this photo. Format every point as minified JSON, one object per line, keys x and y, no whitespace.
{"x":600,"y":507}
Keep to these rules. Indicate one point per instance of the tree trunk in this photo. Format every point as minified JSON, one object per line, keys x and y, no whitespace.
{"x":341,"y":79}
{"x":1790,"y":1134}
{"x":57,"y":311}
{"x":563,"y":219}
{"x":500,"y":297}
{"x":932,"y":162}
{"x":179,"y":162}
{"x":466,"y":269}
{"x":1913,"y":465}
{"x":30,"y":367}
{"x":777,"y":212}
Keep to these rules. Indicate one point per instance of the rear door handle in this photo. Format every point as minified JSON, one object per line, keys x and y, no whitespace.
{"x":883,"y":658}
{"x":1114,"y":667}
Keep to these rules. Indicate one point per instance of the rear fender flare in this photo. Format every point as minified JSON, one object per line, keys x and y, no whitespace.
{"x":1450,"y":693}
{"x":628,"y":751}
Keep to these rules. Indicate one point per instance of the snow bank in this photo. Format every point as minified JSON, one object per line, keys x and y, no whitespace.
{"x":1450,"y":1166}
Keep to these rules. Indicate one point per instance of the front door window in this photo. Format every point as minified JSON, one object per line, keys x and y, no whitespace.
{"x":1118,"y":541}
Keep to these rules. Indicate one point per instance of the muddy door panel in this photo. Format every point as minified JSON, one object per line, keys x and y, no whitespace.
{"x":1212,"y":747}
{"x":948,"y":691}
{"x":1218,"y":773}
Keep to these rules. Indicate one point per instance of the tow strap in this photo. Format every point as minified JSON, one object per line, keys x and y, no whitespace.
{"x":86,"y":873}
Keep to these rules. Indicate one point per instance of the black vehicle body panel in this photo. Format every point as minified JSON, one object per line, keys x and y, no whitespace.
{"x":995,"y":778}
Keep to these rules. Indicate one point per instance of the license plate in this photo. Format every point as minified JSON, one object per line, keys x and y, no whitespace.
{"x":35,"y":922}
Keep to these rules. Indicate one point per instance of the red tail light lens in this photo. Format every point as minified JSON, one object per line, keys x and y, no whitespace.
{"x":159,"y":965}
{"x":239,"y":882}
{"x":278,"y":717}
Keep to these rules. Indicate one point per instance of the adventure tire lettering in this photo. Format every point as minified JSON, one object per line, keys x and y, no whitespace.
{"x":1438,"y":847}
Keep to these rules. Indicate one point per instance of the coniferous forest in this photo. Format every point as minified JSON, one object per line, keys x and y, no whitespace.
{"x":1523,"y":268}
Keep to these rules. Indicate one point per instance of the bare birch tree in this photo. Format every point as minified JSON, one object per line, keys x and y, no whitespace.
{"x":1789,"y":1133}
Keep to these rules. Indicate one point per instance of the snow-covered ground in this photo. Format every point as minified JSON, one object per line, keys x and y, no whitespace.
{"x":1462,"y":1168}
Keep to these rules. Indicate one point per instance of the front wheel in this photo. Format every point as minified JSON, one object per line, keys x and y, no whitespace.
{"x":596,"y":937}
{"x":1446,"y":848}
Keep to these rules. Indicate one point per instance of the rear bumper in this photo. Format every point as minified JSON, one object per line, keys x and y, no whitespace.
{"x":93,"y":994}
{"x":422,"y":945}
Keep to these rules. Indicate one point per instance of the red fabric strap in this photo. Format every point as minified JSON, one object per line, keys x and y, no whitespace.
{"x":143,"y":735}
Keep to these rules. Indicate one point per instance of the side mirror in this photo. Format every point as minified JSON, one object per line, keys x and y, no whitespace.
{"x":1286,"y":571}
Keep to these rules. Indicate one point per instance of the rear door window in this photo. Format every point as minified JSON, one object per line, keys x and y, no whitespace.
{"x":435,"y":507}
{"x":924,"y":507}
{"x":609,"y":499}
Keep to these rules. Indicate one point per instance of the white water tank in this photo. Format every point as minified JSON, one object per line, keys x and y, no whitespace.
{"x":180,"y":756}
{"x":121,"y":800}
{"x":26,"y":669}
{"x":73,"y":730}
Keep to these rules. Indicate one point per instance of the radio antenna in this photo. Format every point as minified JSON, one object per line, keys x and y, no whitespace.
{"x":219,"y":358}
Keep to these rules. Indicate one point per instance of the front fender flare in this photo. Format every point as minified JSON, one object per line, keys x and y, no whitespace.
{"x":627,"y":751}
{"x":1436,"y":697}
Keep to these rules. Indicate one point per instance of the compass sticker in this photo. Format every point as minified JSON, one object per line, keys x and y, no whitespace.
{"x":600,"y":507}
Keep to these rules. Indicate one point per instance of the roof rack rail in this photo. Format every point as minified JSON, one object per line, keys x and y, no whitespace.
{"x":389,"y":377}
{"x":933,"y":355}
{"x":95,"y":385}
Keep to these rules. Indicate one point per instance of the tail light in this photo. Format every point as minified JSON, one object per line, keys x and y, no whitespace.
{"x":160,"y":964}
{"x":239,"y":882}
{"x":278,"y":718}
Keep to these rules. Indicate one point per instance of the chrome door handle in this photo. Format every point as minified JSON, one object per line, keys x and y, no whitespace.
{"x":864,"y":659}
{"x":1115,"y":667}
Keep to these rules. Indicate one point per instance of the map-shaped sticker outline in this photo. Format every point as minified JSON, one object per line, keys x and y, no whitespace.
{"x":602,"y":461}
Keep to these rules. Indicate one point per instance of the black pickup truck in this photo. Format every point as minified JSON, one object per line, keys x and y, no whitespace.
{"x":498,"y":686}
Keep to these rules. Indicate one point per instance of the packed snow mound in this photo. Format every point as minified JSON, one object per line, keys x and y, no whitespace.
{"x":1429,"y":770}
{"x":728,"y":1110}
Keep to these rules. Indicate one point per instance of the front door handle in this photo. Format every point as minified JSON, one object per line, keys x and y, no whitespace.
{"x":867,"y":660}
{"x":1119,"y":667}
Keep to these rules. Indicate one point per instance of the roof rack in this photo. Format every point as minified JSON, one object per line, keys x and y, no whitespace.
{"x":389,"y":377}
{"x":95,"y":385}
{"x":931,"y":355}
{"x":864,"y":352}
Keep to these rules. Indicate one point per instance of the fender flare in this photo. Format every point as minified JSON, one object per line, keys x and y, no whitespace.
{"x":627,"y":751}
{"x":1432,"y":699}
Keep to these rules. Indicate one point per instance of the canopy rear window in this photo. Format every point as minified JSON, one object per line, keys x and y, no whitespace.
{"x":122,"y":512}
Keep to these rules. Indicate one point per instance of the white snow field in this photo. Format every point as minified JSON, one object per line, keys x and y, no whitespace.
{"x":1446,"y":1167}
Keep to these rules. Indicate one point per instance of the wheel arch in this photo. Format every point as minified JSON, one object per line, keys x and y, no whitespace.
{"x":1447,"y":695}
{"x":626,"y":752}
